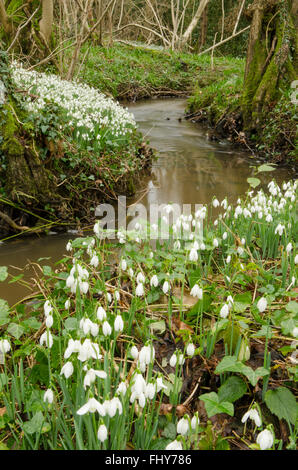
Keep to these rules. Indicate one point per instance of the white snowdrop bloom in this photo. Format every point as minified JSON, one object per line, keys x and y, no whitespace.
{"x":84,"y":287}
{"x":101,"y":313}
{"x":122,"y":388}
{"x":190,"y":350}
{"x":279,"y":229}
{"x":269,"y":218}
{"x":71,"y":283}
{"x":73,"y":346}
{"x":140,"y":278}
{"x":177,"y":357}
{"x":295,"y":332}
{"x":173,"y":360}
{"x":147,"y":354}
{"x":47,"y":339}
{"x":193,"y":255}
{"x":89,"y":350}
{"x":142,"y":400}
{"x":183,"y":426}
{"x":160,"y":385}
{"x":240,"y":250}
{"x":175,"y":445}
{"x":94,"y":261}
{"x":243,"y":241}
{"x":197,"y":291}
{"x":91,"y":406}
{"x":202,"y":247}
{"x":117,"y":295}
{"x":262,"y":304}
{"x":130,"y":272}
{"x":224,"y":236}
{"x":106,"y":328}
{"x":215,"y":223}
{"x":67,"y":370}
{"x":134,"y":352}
{"x":150,"y":391}
{"x":109,"y":297}
{"x":246,"y":213}
{"x":296,"y":259}
{"x":215,"y":243}
{"x":123,"y":265}
{"x":253,"y":415}
{"x":195,"y":421}
{"x":138,"y":386}
{"x":118,"y":324}
{"x":177,"y":245}
{"x":154,"y":281}
{"x":48,"y":396}
{"x":289,"y":247}
{"x":265,"y":439}
{"x":195,"y":245}
{"x":230,"y":301}
{"x":91,"y":375}
{"x":165,"y":287}
{"x":94,"y":329}
{"x":228,"y":260}
{"x":224,"y":311}
{"x":67,"y":304}
{"x":4,"y":346}
{"x":102,"y":433}
{"x":47,"y":308}
{"x":215,"y":203}
{"x":140,"y":290}
{"x":49,"y":321}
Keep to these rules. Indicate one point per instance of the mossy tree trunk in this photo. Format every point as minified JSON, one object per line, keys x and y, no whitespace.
{"x":271,"y":63}
{"x":27,"y":181}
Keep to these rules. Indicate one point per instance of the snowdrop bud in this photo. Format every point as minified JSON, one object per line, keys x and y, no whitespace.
{"x":224,"y":236}
{"x":203,"y":246}
{"x":67,"y":304}
{"x":228,"y":260}
{"x":123,"y":265}
{"x":94,"y":261}
{"x":142,"y":400}
{"x":193,"y":255}
{"x":224,"y":311}
{"x":4,"y":346}
{"x":84,"y":287}
{"x":47,"y":308}
{"x":195,"y":421}
{"x":140,"y":278}
{"x":190,"y":350}
{"x":183,"y":426}
{"x":150,"y":391}
{"x":94,"y":329}
{"x":173,"y":360}
{"x":101,"y":314}
{"x":215,"y":243}
{"x":140,"y":290}
{"x":262,"y":304}
{"x":68,"y":246}
{"x":118,"y":324}
{"x":296,"y":259}
{"x":265,"y":439}
{"x":289,"y":247}
{"x":48,"y":396}
{"x":67,"y":370}
{"x":122,"y":388}
{"x":102,"y":433}
{"x":215,"y":203}
{"x":134,"y":352}
{"x":47,"y":339}
{"x":106,"y":328}
{"x":109,"y":297}
{"x":165,"y":287}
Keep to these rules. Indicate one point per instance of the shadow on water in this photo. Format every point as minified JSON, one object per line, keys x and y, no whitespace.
{"x":190,"y":169}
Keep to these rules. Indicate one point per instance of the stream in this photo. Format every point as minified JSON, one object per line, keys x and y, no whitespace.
{"x":190,"y":169}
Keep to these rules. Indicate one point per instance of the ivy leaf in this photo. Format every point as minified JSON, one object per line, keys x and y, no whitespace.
{"x":214,"y":406}
{"x":254,"y":375}
{"x":15,"y":330}
{"x":265,"y":167}
{"x":253,"y":182}
{"x":35,"y":424}
{"x":282,"y":403}
{"x":170,"y":431}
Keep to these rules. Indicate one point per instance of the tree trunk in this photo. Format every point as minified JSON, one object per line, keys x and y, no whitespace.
{"x":271,"y":62}
{"x":187,"y":34}
{"x":46,"y":22}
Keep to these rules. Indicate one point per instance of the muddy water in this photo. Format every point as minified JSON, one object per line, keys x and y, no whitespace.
{"x":190,"y":169}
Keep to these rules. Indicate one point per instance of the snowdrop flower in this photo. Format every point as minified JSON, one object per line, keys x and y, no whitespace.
{"x":224,"y":236}
{"x":202,"y":246}
{"x":47,"y":339}
{"x":150,"y":391}
{"x":91,"y":375}
{"x":173,"y":360}
{"x":146,"y":355}
{"x":175,"y":445}
{"x":262,"y":304}
{"x":140,"y":278}
{"x":49,"y":321}
{"x":117,"y":295}
{"x":177,"y":357}
{"x":215,"y":203}
{"x":296,"y":259}
{"x":48,"y":396}
{"x":160,"y":385}
{"x":289,"y":247}
{"x":295,"y":332}
{"x":140,"y":290}
{"x":279,"y":229}
{"x":193,"y":255}
{"x":240,"y":250}
{"x":84,"y":287}
{"x":73,"y":346}
{"x":67,"y":370}
{"x":265,"y":439}
{"x":47,"y":308}
{"x":118,"y":324}
{"x":253,"y":415}
{"x":183,"y":426}
{"x":122,"y":388}
{"x":195,"y":421}
{"x":165,"y":287}
{"x":154,"y":281}
{"x":109,"y":297}
{"x":102,"y":433}
{"x":196,"y":291}
{"x":215,"y":243}
{"x":69,"y":246}
{"x":224,"y":311}
{"x":228,"y":260}
{"x":190,"y":350}
{"x":67,"y":304}
{"x":94,"y":261}
{"x":91,"y":406}
{"x":101,"y":313}
{"x":4,"y":346}
{"x":89,"y":350}
{"x":106,"y":328}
